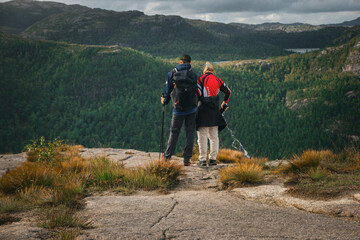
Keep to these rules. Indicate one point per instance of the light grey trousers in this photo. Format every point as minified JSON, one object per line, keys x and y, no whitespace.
{"x":205,"y":133}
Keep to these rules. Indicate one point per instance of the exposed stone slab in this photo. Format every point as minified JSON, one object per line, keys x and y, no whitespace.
{"x":345,"y":207}
{"x":205,"y":215}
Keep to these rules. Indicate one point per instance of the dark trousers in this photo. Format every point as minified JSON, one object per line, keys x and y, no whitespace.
{"x":176,"y":123}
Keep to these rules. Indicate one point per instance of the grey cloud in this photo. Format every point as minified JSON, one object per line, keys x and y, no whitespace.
{"x":247,"y":11}
{"x":225,"y":6}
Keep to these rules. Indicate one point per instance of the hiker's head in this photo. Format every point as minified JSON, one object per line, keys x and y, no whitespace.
{"x":208,"y":68}
{"x":185,"y":58}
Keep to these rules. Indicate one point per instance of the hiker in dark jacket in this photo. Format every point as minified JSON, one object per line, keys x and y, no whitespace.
{"x":185,"y":106}
{"x":209,"y":118}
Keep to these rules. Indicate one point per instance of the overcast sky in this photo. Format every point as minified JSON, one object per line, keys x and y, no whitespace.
{"x":242,"y":11}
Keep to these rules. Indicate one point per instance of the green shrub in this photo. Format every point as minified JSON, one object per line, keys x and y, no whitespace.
{"x":42,"y":150}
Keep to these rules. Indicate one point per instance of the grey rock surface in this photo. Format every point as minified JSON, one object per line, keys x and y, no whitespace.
{"x":23,"y":230}
{"x":129,"y":157}
{"x":275,"y":194}
{"x":10,"y":161}
{"x":205,"y":215}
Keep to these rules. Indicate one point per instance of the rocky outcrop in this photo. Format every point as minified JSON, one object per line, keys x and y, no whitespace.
{"x":353,"y":60}
{"x":300,"y":103}
{"x":10,"y":161}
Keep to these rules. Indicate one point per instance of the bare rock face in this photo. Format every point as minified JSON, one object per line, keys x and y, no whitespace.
{"x":353,"y":60}
{"x":10,"y":161}
{"x":277,"y":194}
{"x":299,"y":103}
{"x":23,"y":230}
{"x":128,"y":157}
{"x":204,"y":215}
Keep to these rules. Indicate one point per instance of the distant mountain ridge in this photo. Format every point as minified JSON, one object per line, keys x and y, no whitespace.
{"x":17,"y":15}
{"x":295,"y":27}
{"x":352,"y":23}
{"x":158,"y":34}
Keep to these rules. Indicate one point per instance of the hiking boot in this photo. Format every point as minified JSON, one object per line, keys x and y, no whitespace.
{"x":202,"y":164}
{"x":212,"y":162}
{"x":187,"y":162}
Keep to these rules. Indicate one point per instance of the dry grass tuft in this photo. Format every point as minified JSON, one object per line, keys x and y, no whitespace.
{"x":168,"y":171}
{"x":309,"y":159}
{"x":28,"y":174}
{"x":103,"y":173}
{"x":247,"y":172}
{"x":324,"y":174}
{"x":258,"y":161}
{"x":347,"y":160}
{"x":229,"y":156}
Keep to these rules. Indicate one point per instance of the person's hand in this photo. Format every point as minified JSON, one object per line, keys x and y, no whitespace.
{"x":222,"y":106}
{"x":162,"y":100}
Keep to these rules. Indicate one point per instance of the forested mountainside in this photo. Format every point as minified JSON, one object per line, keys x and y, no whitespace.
{"x":110,"y":96}
{"x":160,"y":35}
{"x":16,"y":16}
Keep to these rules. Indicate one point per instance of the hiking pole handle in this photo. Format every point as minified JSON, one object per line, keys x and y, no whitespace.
{"x":162,"y":129}
{"x":163,"y":107}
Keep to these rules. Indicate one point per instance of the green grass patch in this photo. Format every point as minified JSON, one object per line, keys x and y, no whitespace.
{"x":63,"y":217}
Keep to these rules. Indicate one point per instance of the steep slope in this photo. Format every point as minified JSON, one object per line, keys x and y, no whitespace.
{"x":309,"y":101}
{"x":109,"y":96}
{"x":90,"y":95}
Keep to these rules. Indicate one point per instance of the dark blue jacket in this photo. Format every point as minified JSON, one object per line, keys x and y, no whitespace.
{"x":169,"y":86}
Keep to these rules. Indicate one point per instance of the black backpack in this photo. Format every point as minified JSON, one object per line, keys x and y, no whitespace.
{"x":184,"y":96}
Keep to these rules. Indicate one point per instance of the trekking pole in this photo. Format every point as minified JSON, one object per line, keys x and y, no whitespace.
{"x":162,"y":130}
{"x":235,"y":140}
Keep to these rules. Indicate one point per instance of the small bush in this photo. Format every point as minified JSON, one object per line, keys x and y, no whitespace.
{"x":229,"y":156}
{"x":247,"y":172}
{"x":43,"y":151}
